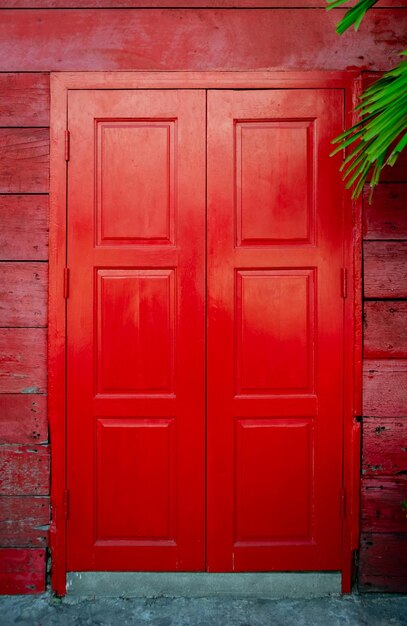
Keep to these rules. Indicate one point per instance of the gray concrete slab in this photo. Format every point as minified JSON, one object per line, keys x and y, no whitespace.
{"x":354,"y":610}
{"x":199,"y":585}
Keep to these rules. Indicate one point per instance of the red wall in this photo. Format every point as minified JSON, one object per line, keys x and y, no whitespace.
{"x":35,"y":41}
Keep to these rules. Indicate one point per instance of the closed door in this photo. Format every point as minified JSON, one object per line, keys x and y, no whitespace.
{"x":205,"y":330}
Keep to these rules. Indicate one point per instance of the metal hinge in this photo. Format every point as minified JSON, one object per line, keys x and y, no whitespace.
{"x":67,"y":145}
{"x":66,"y":282}
{"x":66,"y":503}
{"x":344,"y":281}
{"x":343,"y":502}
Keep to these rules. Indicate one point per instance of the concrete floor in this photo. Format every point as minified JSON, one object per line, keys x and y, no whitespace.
{"x":352,"y":610}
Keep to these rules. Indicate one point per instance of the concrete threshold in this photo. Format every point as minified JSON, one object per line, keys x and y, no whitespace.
{"x":270,"y":585}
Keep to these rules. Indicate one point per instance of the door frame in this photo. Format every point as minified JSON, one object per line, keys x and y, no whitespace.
{"x":61,"y":83}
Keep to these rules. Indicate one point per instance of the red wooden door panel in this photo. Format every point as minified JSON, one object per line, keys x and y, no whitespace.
{"x":275,"y":331}
{"x":135,"y":364}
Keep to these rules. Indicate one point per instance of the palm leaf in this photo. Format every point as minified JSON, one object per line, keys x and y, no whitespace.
{"x":353,"y":16}
{"x":380,"y":135}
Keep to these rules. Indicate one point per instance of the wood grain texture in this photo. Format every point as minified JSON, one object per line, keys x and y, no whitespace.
{"x":24,"y":160}
{"x":119,"y":39}
{"x":383,"y":559}
{"x":385,"y":269}
{"x":381,"y":509}
{"x":23,"y":418}
{"x":384,"y":446}
{"x":385,"y":324}
{"x":24,"y":470}
{"x":24,"y":521}
{"x":22,"y":570}
{"x":24,"y":228}
{"x":24,"y":99}
{"x":385,"y":388}
{"x":23,"y":294}
{"x":31,"y":4}
{"x":386,"y":217}
{"x":23,"y":364}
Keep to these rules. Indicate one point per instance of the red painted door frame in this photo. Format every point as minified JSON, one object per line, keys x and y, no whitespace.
{"x":61,"y":84}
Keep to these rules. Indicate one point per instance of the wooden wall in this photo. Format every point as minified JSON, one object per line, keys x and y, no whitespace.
{"x":383,"y":548}
{"x":39,"y":36}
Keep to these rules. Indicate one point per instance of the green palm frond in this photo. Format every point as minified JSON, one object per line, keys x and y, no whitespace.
{"x":381,"y":134}
{"x":353,"y":16}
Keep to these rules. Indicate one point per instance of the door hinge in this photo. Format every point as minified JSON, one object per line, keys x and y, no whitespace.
{"x":66,"y":503}
{"x":67,"y":145}
{"x":344,"y":281}
{"x":343,"y":502}
{"x":66,"y":282}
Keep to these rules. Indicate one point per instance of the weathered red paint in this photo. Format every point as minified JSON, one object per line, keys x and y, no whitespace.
{"x":384,"y":450}
{"x":23,"y":357}
{"x":384,"y":388}
{"x":31,"y":4}
{"x":386,"y":217}
{"x":23,"y":294}
{"x":24,"y":227}
{"x":24,"y":99}
{"x":22,"y":570}
{"x":220,"y":39}
{"x":24,"y":470}
{"x":24,"y":521}
{"x":381,"y":508}
{"x":385,"y":324}
{"x":23,"y":418}
{"x":385,"y":269}
{"x":30,"y":146}
{"x":384,"y":558}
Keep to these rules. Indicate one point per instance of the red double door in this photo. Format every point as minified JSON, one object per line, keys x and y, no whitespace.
{"x":205,"y":330}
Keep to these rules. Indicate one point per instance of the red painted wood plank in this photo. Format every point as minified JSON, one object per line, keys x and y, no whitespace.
{"x":381,"y":510}
{"x":24,"y":521}
{"x":31,"y":4}
{"x":385,"y":269}
{"x":24,"y":99}
{"x":23,"y":360}
{"x":24,"y":470}
{"x":118,"y":39}
{"x":382,"y":562}
{"x":22,"y":570}
{"x":385,"y":388}
{"x":385,"y":324}
{"x":24,"y":160}
{"x":23,"y":294}
{"x":386,"y":217}
{"x":23,"y":418}
{"x":384,"y":449}
{"x":23,"y":228}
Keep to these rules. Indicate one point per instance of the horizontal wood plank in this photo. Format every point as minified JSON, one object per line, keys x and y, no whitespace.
{"x":384,"y":388}
{"x":381,"y":509}
{"x":120,"y":39}
{"x":24,"y":470}
{"x":382,"y":560}
{"x":385,"y":269}
{"x":23,"y":360}
{"x":24,"y":160}
{"x":23,"y":418}
{"x":22,"y":570}
{"x":24,"y":521}
{"x":24,"y":99}
{"x":385,"y":334}
{"x":384,"y":446}
{"x":386,"y":217}
{"x":24,"y":228}
{"x":23,"y":294}
{"x":74,"y":4}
